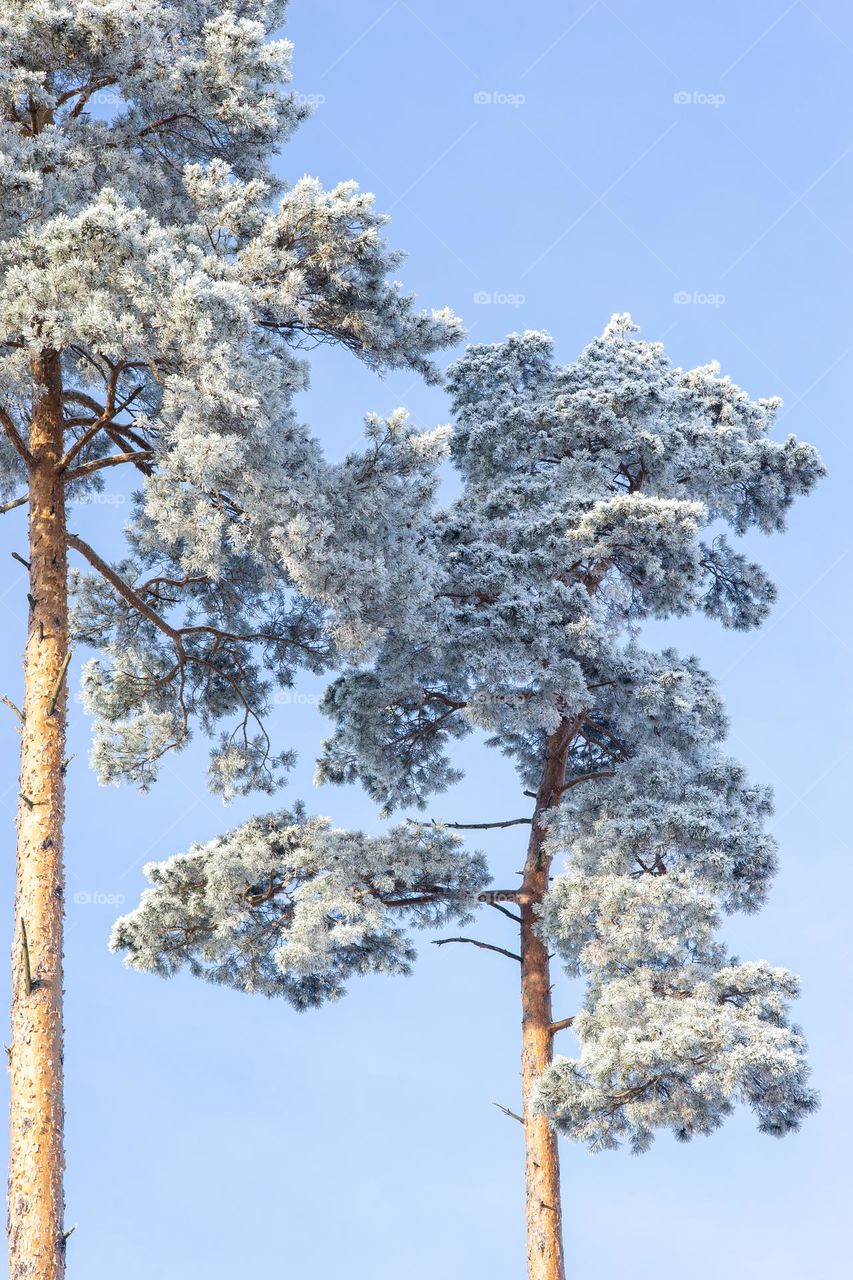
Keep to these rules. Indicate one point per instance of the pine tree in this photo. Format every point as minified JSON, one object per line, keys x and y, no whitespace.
{"x":585,"y":492}
{"x":157,"y":284}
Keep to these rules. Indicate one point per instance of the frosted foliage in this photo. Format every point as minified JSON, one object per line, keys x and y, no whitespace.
{"x":595,"y":495}
{"x":288,"y":906}
{"x":145,"y":237}
{"x":677,"y":1051}
{"x":588,"y":491}
{"x":673,"y":1032}
{"x":352,"y":554}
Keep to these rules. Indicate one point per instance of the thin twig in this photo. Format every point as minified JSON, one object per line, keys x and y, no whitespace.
{"x":475,"y":942}
{"x":28,"y":976}
{"x":513,"y":1115}
{"x":10,"y":704}
{"x":20,"y":560}
{"x":504,"y":911}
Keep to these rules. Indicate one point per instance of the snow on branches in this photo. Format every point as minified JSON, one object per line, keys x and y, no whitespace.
{"x":288,"y":906}
{"x":587,"y":489}
{"x":145,"y":238}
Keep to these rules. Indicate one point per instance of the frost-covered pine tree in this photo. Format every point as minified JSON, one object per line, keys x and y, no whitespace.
{"x":157,"y":282}
{"x":586,"y":491}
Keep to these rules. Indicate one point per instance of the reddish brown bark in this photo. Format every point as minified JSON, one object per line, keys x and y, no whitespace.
{"x":542,"y":1164}
{"x":36,"y":1161}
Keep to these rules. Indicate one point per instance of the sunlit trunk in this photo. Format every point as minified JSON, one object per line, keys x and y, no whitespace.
{"x":36,"y":1162}
{"x":542,"y":1165}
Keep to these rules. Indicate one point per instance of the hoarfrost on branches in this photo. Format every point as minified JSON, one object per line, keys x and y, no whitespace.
{"x":146,"y":239}
{"x":289,"y":906}
{"x":588,"y":491}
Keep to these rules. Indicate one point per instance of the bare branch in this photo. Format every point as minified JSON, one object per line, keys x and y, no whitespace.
{"x":111,"y":411}
{"x":14,"y":437}
{"x":513,"y":1115}
{"x":483,"y":826}
{"x":17,"y":502}
{"x":504,"y":911}
{"x":475,"y":942}
{"x":587,"y":777}
{"x":124,"y":589}
{"x":116,"y":434}
{"x":80,"y":397}
{"x":10,"y":704}
{"x":561,"y":1025}
{"x":113,"y":460}
{"x":164,"y":120}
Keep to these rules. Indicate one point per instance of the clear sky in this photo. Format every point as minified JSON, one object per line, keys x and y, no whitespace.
{"x":545,"y":165}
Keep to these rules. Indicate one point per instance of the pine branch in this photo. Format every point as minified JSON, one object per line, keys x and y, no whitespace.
{"x":504,"y":911}
{"x":80,"y":397}
{"x":123,"y":588}
{"x":513,"y":1115}
{"x":561,"y":1025}
{"x":483,"y":826}
{"x":113,"y":460}
{"x":587,"y":777}
{"x":176,"y":634}
{"x":475,"y":942}
{"x":10,"y":704}
{"x":14,"y":438}
{"x":104,"y":420}
{"x":17,"y":502}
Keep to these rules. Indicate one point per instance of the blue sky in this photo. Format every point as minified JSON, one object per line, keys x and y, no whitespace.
{"x":544,"y":166}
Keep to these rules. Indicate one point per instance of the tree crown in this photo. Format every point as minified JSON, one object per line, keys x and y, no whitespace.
{"x":585,"y":492}
{"x":173,"y":282}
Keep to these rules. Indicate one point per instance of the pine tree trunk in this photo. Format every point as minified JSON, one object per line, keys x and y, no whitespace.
{"x":542,"y":1163}
{"x":36,"y":1160}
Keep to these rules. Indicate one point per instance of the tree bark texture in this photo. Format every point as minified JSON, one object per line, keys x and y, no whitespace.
{"x":36,"y":1163}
